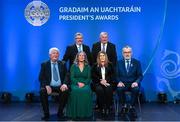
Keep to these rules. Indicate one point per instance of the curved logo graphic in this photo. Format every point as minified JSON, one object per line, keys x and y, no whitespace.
{"x":37,"y":13}
{"x":173,"y":72}
{"x":170,"y":69}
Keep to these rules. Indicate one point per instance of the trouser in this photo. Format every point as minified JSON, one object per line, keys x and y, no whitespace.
{"x":63,"y":96}
{"x":104,"y":95}
{"x":122,"y":93}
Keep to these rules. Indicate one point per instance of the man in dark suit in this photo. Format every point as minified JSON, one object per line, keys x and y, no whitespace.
{"x":106,"y":46}
{"x":129,"y":76}
{"x":52,"y":78}
{"x":72,"y":50}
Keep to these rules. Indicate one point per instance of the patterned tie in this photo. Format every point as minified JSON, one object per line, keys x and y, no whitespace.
{"x":128,"y":65}
{"x":55,"y":74}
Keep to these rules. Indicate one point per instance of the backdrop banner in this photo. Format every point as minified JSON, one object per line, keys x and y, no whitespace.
{"x":30,"y":27}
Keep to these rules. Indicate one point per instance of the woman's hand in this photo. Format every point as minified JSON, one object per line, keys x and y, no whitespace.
{"x":104,"y":82}
{"x":80,"y":84}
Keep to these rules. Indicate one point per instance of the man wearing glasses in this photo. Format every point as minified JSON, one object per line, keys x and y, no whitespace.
{"x":129,"y":76}
{"x":78,"y":46}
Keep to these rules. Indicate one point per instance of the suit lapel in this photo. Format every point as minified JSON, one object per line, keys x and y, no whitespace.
{"x":83,"y":48}
{"x":99,"y":70}
{"x":99,"y":47}
{"x":131,"y":65}
{"x":107,"y":48}
{"x":106,"y":71}
{"x":124,"y":66}
{"x":49,"y":69}
{"x":75,"y":48}
{"x":59,"y":68}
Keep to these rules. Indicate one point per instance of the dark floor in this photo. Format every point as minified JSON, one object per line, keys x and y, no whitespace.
{"x":32,"y":112}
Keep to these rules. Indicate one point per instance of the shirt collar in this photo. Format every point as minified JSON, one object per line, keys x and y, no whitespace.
{"x":53,"y":62}
{"x":77,"y":45}
{"x":128,"y":60}
{"x":104,"y":44}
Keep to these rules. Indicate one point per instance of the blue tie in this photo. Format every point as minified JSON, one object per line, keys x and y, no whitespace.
{"x":128,"y":65}
{"x":55,"y":74}
{"x":79,"y":48}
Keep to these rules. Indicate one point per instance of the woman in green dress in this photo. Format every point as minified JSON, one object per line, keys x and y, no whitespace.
{"x":80,"y":99}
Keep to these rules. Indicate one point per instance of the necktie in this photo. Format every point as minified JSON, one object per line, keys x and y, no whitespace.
{"x":55,"y":74}
{"x":103,"y":48}
{"x":79,"y":48}
{"x":128,"y":65}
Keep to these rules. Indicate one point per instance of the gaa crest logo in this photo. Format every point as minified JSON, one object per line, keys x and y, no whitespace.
{"x":37,"y":13}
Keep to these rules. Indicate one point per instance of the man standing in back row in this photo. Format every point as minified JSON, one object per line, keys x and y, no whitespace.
{"x":72,"y":50}
{"x":105,"y":46}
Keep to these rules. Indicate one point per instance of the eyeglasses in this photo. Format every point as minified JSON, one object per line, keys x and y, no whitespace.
{"x":79,"y":38}
{"x":127,"y":52}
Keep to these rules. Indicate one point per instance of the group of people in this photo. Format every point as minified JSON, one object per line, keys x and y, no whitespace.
{"x":89,"y":71}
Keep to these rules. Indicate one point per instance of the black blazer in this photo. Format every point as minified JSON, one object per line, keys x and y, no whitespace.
{"x":71,"y":52}
{"x":45,"y":73}
{"x":111,"y":52}
{"x":109,"y":74}
{"x":134,"y":74}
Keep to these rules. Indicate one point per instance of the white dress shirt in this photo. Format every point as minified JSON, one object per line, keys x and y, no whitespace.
{"x":103,"y":72}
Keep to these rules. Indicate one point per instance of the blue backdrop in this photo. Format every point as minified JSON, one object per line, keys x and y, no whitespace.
{"x":153,"y":33}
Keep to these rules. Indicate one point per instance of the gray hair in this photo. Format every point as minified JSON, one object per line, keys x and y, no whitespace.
{"x":103,"y":33}
{"x":126,"y":47}
{"x":78,"y":34}
{"x":77,"y":55}
{"x":52,"y":49}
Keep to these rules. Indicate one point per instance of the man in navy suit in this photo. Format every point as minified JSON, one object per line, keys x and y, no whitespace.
{"x":53,"y":78}
{"x":72,"y":50}
{"x":129,"y":76}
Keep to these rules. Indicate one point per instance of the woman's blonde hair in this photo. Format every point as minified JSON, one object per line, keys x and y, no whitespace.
{"x":106,"y":59}
{"x":76,"y":61}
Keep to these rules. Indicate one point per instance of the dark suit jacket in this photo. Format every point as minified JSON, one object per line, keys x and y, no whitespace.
{"x":134,"y":74}
{"x":111,"y":52}
{"x":109,"y":74}
{"x":71,"y":52}
{"x":45,"y":73}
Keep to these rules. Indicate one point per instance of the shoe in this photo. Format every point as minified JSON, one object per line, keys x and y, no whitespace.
{"x":96,"y":108}
{"x":124,"y":111}
{"x":45,"y":117}
{"x":132,"y":111}
{"x":103,"y":112}
{"x":60,"y":115}
{"x":107,"y":112}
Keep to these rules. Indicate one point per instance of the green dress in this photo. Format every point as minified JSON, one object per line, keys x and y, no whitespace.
{"x":80,"y":99}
